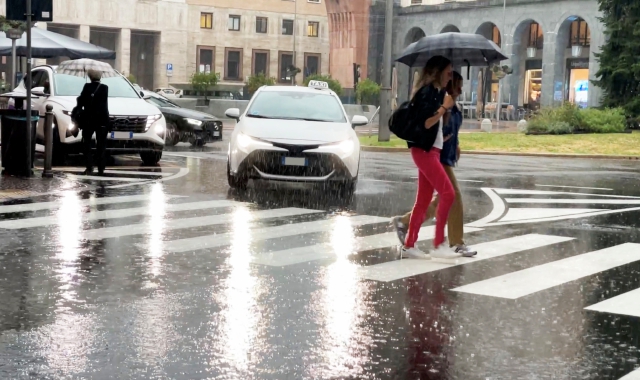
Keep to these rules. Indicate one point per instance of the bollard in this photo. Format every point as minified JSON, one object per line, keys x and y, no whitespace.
{"x":48,"y":142}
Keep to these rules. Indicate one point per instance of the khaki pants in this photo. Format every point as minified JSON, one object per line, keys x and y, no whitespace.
{"x":455,"y":223}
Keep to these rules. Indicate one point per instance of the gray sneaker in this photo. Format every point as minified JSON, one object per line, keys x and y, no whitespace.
{"x":464,"y":250}
{"x":400,"y":228}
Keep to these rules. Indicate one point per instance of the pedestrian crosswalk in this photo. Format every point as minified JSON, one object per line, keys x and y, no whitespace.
{"x":340,"y":236}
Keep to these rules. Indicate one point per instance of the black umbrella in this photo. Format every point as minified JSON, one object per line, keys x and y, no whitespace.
{"x":461,"y":48}
{"x":46,"y":44}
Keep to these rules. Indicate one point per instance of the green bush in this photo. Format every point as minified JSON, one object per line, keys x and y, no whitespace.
{"x":570,"y":119}
{"x":367,"y":91}
{"x":609,"y":120}
{"x":254,"y":82}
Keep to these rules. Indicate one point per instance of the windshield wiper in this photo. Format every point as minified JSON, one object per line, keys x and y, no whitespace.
{"x":259,"y":116}
{"x":318,"y":120}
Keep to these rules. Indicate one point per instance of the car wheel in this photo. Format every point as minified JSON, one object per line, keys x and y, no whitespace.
{"x":151,"y":158}
{"x":239,"y":183}
{"x":59,"y":154}
{"x":173,"y":135}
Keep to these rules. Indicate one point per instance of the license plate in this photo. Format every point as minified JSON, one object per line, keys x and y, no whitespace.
{"x":294,"y":161}
{"x":216,"y":134}
{"x":121,"y":135}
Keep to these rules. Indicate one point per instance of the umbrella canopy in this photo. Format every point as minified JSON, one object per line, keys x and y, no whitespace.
{"x":461,"y":48}
{"x":46,"y":44}
{"x":79,"y":68}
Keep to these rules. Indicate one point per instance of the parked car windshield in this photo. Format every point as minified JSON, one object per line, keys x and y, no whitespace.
{"x":160,"y":102}
{"x":314,"y":106}
{"x":68,"y":85}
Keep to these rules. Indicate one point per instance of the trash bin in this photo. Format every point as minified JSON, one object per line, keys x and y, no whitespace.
{"x":13,"y":135}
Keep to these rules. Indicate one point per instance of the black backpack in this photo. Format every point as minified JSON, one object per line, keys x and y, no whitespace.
{"x":405,"y":123}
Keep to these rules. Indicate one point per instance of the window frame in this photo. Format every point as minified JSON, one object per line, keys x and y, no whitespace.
{"x":280,"y":54}
{"x":199,"y":49}
{"x":309,"y":29}
{"x":266,"y":24}
{"x":226,"y":64}
{"x":317,"y":55}
{"x":253,"y":61}
{"x":234,"y":17}
{"x":206,"y":14}
{"x":293,"y":26}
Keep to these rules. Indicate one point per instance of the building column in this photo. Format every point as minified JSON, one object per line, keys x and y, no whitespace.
{"x":84,"y":33}
{"x":553,"y":63}
{"x":159,"y":65}
{"x":123,"y":52}
{"x":594,"y":96}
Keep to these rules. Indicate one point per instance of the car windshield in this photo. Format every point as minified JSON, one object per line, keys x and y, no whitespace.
{"x":313,"y":106}
{"x":68,"y":85}
{"x":160,"y":102}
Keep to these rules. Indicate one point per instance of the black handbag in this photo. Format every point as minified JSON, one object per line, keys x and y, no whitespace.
{"x":77,"y":113}
{"x":407,"y":122}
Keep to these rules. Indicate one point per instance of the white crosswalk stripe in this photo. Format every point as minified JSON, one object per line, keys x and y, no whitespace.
{"x":624,"y":304}
{"x":85,"y":202}
{"x":635,"y":375}
{"x":522,"y":283}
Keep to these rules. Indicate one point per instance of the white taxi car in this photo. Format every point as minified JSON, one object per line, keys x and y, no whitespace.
{"x":295,"y":134}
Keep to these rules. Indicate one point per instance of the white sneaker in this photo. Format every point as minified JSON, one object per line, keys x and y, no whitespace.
{"x":443,"y":252}
{"x":414,"y":253}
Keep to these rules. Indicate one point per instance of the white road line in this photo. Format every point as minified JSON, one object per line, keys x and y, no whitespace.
{"x":624,"y":304}
{"x":468,"y":180}
{"x":576,"y":187}
{"x":98,"y":178}
{"x":327,"y":250}
{"x":531,"y":214}
{"x":576,"y":201}
{"x":542,"y":192}
{"x":578,"y":216}
{"x":212,"y":241}
{"x":395,"y":270}
{"x":635,"y":375}
{"x":181,"y":173}
{"x":85,"y":202}
{"x":110,"y":171}
{"x":522,"y":283}
{"x":177,"y":224}
{"x":498,"y":210}
{"x":114,"y":214}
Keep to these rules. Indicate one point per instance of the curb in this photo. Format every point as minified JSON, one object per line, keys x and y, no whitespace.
{"x":490,"y":153}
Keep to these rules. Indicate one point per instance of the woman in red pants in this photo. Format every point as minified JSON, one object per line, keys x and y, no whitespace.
{"x":432,"y":104}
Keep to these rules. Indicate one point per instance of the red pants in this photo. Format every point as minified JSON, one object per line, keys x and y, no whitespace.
{"x":431,"y":176}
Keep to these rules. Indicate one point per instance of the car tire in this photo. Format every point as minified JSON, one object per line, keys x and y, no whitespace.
{"x":151,"y":158}
{"x":173,"y":135}
{"x":59,"y":154}
{"x":236,"y":183}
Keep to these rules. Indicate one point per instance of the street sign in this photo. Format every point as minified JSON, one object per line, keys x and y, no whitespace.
{"x":42,"y":10}
{"x":169,"y":69}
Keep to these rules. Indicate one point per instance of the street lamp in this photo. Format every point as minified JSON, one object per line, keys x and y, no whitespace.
{"x":13,"y":35}
{"x":576,"y":49}
{"x":532,"y":51}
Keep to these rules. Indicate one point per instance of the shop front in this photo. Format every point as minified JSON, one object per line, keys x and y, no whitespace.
{"x":533,"y":84}
{"x":577,"y":81}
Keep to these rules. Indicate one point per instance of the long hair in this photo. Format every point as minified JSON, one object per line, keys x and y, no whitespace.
{"x":431,"y":72}
{"x":453,"y":83}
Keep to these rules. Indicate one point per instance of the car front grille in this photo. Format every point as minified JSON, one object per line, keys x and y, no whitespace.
{"x":319,"y":164}
{"x":212,"y":125}
{"x":136,"y":124}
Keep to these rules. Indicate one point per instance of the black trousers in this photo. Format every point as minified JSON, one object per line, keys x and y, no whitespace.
{"x":101,"y":144}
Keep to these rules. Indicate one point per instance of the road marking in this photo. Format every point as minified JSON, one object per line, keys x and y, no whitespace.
{"x":596,"y":213}
{"x":542,"y":192}
{"x":212,"y":241}
{"x":114,"y":214}
{"x":635,"y":375}
{"x":530,"y":214}
{"x":396,"y":270}
{"x":522,"y":283}
{"x":111,"y":171}
{"x":86,"y":202}
{"x":98,"y":178}
{"x":468,"y":180}
{"x":576,"y":201}
{"x":177,"y":224}
{"x":624,"y":304}
{"x":181,"y":173}
{"x":498,"y":210}
{"x":576,"y":187}
{"x":328,"y":250}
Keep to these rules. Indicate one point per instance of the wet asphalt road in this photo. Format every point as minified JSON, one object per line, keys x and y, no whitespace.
{"x":177,"y":277}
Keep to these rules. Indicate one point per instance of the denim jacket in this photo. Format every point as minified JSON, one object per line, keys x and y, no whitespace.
{"x":448,"y":156}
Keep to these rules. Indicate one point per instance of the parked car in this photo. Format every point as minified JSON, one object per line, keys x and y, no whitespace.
{"x":169,"y":93}
{"x":185,"y":125}
{"x":137,"y":126}
{"x":295,"y":134}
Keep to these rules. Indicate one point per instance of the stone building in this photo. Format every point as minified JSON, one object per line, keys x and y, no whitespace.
{"x":550,"y":45}
{"x":230,"y":37}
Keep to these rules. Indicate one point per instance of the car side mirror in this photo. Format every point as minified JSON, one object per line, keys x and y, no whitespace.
{"x":142,"y":94}
{"x":359,"y":120}
{"x":233,"y":113}
{"x":38,"y":91}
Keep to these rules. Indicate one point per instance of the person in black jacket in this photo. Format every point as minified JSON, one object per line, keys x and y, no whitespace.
{"x":432,"y":104}
{"x":94,"y":103}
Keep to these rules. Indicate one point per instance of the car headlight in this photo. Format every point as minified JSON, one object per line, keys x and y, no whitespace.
{"x":152,"y":119}
{"x":71,"y":126}
{"x":65,"y":112}
{"x":159,"y":129}
{"x":345,"y":147}
{"x":194,"y":122}
{"x":245,"y":141}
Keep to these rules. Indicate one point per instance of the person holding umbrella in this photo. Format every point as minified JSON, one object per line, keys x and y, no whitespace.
{"x":432,"y":103}
{"x":448,"y":157}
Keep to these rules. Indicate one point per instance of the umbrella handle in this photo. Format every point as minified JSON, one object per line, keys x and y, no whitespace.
{"x":468,"y":67}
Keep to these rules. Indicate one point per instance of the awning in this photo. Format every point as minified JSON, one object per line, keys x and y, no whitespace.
{"x":46,"y":44}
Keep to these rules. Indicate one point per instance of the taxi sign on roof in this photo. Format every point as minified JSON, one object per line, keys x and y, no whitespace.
{"x":319,"y":84}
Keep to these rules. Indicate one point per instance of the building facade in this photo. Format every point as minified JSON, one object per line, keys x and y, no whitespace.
{"x":550,"y":44}
{"x":234,"y":38}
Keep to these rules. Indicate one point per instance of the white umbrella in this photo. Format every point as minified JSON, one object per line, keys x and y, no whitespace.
{"x":80,"y":67}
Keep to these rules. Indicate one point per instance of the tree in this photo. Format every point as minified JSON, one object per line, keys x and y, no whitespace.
{"x":11,"y":24}
{"x":203,"y":82}
{"x":334,"y":85}
{"x":619,"y":74}
{"x":131,"y":78}
{"x":367,"y":91}
{"x":256,"y":81}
